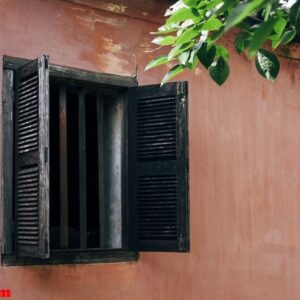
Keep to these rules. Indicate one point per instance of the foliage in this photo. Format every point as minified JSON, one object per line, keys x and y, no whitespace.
{"x":193,"y":28}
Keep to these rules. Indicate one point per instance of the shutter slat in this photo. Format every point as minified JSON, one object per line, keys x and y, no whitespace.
{"x":31,"y":159}
{"x":28,"y":90}
{"x":28,"y":101}
{"x":33,"y":82}
{"x":31,"y":123}
{"x":26,"y":109}
{"x":28,"y":223}
{"x":27,"y":81}
{"x":24,"y":97}
{"x":24,"y":114}
{"x":158,"y":187}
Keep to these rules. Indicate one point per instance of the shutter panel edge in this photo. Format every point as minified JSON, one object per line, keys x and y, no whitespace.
{"x":44,"y":247}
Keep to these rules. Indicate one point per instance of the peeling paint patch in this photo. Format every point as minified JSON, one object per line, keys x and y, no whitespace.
{"x":146,"y":45}
{"x":112,"y":57}
{"x":93,"y":20}
{"x":115,"y":22}
{"x":112,"y":63}
{"x":115,"y":7}
{"x":109,"y":45}
{"x":109,"y":57}
{"x":102,"y":44}
{"x":76,"y":8}
{"x":86,"y":21}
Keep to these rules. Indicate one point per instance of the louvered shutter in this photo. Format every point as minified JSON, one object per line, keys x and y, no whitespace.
{"x":158,"y":168}
{"x":31,"y":159}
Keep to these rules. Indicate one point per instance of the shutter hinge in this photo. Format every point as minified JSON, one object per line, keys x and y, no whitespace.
{"x":181,"y":242}
{"x":46,"y":155}
{"x":46,"y":62}
{"x":181,"y":93}
{"x":2,"y":246}
{"x":46,"y":247}
{"x":180,"y":88}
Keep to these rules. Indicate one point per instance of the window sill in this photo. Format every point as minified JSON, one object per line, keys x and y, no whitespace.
{"x":73,"y":257}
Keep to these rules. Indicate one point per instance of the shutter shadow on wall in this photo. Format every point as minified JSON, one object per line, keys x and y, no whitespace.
{"x":158,"y":168}
{"x":31,"y":159}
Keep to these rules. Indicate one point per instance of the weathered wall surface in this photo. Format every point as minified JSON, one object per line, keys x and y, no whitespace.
{"x":244,"y":164}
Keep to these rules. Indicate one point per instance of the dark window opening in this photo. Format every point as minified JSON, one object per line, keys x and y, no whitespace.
{"x":86,"y":172}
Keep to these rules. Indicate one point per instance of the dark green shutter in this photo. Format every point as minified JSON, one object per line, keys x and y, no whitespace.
{"x":32,"y":159}
{"x":158,"y":168}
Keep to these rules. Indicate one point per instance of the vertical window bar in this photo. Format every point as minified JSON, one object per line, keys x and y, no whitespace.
{"x":100,"y":168}
{"x":82,"y":169}
{"x":63,"y":167}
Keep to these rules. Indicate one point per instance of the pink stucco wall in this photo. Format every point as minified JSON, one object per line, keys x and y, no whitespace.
{"x":244,"y":164}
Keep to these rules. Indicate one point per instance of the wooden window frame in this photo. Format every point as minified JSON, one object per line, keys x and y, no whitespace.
{"x":155,"y":201}
{"x":69,"y":256}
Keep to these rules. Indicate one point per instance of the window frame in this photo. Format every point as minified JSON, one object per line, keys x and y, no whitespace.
{"x":149,"y":225}
{"x":69,"y":256}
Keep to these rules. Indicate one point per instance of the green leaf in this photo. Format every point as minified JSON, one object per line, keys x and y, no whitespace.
{"x":182,"y":15}
{"x":172,"y":73}
{"x":244,"y":25}
{"x":205,"y":3}
{"x":242,"y":41}
{"x":160,"y":60}
{"x":280,"y":25}
{"x":260,"y":36}
{"x":164,"y":40}
{"x":213,"y":4}
{"x":267,"y":11}
{"x":221,"y":52}
{"x":295,"y":16}
{"x":226,"y":5}
{"x":174,"y":8}
{"x":267,"y":64}
{"x":188,"y":35}
{"x":191,"y":3}
{"x":193,"y":60}
{"x":206,"y":56}
{"x":216,"y":35}
{"x":219,"y":71}
{"x":288,"y":36}
{"x":184,"y":57}
{"x":212,"y":24}
{"x":179,"y":49}
{"x":167,"y":29}
{"x":275,"y":42}
{"x":242,"y":11}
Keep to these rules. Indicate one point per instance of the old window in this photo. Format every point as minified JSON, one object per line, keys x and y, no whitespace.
{"x":99,"y":165}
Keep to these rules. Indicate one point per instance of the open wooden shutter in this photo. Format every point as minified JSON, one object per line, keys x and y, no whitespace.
{"x":32,"y":159}
{"x":158,"y":168}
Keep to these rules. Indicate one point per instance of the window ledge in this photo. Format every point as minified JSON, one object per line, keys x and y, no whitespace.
{"x":72,"y":257}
